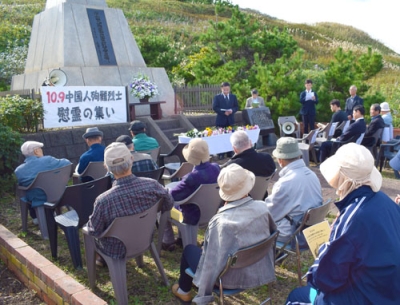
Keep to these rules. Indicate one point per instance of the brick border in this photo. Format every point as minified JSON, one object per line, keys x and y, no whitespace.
{"x":51,"y":284}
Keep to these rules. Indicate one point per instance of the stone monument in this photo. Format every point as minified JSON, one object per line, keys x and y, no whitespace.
{"x":93,"y":45}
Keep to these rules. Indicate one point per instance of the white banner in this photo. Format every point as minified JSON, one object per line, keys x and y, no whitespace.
{"x":83,"y":105}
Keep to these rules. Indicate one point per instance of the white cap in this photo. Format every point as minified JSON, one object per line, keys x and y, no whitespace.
{"x":29,"y":146}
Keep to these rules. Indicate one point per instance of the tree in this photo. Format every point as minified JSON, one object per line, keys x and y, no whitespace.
{"x":230,"y":49}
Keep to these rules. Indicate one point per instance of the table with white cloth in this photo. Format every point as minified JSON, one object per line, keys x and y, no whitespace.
{"x":221,"y":143}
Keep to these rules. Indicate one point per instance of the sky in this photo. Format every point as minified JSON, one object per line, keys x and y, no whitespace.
{"x":379,"y":18}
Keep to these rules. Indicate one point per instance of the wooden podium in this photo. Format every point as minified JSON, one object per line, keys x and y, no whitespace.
{"x":155,"y":110}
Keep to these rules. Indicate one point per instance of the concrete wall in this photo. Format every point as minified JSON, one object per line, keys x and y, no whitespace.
{"x":68,"y":143}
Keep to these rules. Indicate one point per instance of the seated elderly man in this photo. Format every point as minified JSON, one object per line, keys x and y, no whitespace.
{"x":241,"y":222}
{"x":204,"y":172}
{"x":93,"y":137}
{"x":359,"y":264}
{"x":261,"y":164}
{"x":297,"y":190}
{"x":376,"y":123}
{"x":35,"y":162}
{"x":128,"y":195}
{"x":140,"y":139}
{"x":141,"y":162}
{"x":355,"y":129}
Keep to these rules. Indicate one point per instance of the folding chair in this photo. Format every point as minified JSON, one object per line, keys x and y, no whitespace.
{"x":154,"y":174}
{"x":154,"y":153}
{"x":93,"y":171}
{"x":291,"y":246}
{"x":288,"y":125}
{"x":373,"y":148}
{"x":53,"y":183}
{"x":327,"y":134}
{"x":243,"y":258}
{"x":79,"y":199}
{"x":206,"y":197}
{"x":176,"y":153}
{"x":260,"y":187}
{"x":387,"y":151}
{"x":183,"y":170}
{"x":306,"y":148}
{"x":136,"y":244}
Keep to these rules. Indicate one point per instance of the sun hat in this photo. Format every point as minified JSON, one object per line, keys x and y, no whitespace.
{"x":196,"y":152}
{"x":235,"y":182}
{"x":395,"y":162}
{"x":137,"y":126}
{"x":385,"y":106}
{"x":127,"y":140}
{"x":92,"y":132}
{"x":356,"y":164}
{"x":29,"y":146}
{"x":116,"y":154}
{"x":286,"y":148}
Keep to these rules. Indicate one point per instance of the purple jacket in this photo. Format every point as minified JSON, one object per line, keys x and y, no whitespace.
{"x":205,"y":173}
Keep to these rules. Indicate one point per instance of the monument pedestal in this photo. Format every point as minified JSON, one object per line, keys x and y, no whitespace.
{"x":92,"y":44}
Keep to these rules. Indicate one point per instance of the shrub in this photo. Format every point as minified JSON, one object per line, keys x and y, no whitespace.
{"x":9,"y":154}
{"x":23,"y":115}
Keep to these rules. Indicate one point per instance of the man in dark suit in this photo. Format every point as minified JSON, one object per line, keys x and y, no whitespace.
{"x":308,"y":100}
{"x":225,"y":105}
{"x":353,"y":101}
{"x":376,"y":123}
{"x":350,"y":135}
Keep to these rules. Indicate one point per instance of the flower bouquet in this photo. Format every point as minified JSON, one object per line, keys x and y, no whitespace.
{"x":143,"y":88}
{"x":208,"y":132}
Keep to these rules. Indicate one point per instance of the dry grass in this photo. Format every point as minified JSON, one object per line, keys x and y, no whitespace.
{"x":144,"y":285}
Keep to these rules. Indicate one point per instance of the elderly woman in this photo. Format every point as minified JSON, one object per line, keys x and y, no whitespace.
{"x":359,"y":264}
{"x":204,"y":172}
{"x":240,"y":223}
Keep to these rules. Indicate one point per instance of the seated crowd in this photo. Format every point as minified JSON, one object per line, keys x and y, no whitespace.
{"x":357,"y":266}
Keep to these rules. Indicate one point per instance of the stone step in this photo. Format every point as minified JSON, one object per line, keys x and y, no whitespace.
{"x":169,"y":133}
{"x":168,"y":123}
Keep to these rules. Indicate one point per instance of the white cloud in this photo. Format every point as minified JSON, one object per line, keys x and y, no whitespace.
{"x":378,"y":18}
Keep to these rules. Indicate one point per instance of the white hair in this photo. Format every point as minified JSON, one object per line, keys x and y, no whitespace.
{"x":121,"y":168}
{"x":240,"y":140}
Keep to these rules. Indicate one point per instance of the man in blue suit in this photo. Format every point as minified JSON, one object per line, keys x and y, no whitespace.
{"x":353,"y":101}
{"x":225,"y":105}
{"x":350,"y":135}
{"x":308,"y":100}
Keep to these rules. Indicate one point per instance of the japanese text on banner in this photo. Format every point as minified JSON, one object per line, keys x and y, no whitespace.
{"x":83,"y":105}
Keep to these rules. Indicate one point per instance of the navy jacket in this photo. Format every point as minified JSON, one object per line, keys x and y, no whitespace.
{"x":351,"y":102}
{"x":308,"y":107}
{"x":355,"y":130}
{"x":376,"y":123}
{"x":360,"y":263}
{"x":219,"y":103}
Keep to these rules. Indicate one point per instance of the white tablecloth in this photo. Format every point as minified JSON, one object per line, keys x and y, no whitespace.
{"x":221,"y":143}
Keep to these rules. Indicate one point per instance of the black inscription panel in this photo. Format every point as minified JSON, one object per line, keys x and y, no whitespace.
{"x":101,"y":37}
{"x":261,"y":117}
